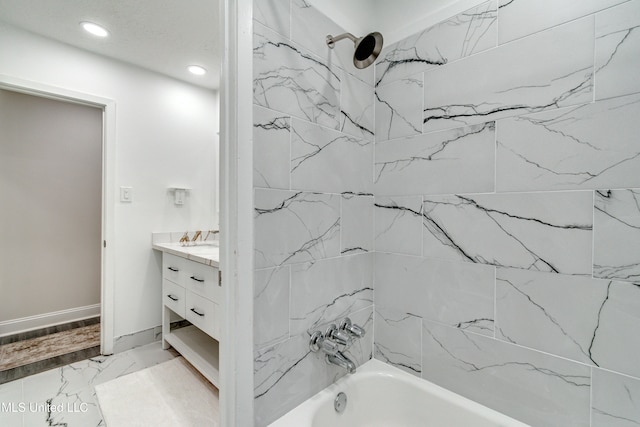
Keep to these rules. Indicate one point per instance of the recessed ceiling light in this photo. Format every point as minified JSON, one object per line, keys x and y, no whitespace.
{"x":94,"y":29}
{"x":197,"y":70}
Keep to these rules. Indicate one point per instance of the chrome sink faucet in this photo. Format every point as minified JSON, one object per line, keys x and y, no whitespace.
{"x":333,"y":339}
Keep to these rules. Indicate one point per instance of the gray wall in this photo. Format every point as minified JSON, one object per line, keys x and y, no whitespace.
{"x":507,"y":238}
{"x":51,"y":192}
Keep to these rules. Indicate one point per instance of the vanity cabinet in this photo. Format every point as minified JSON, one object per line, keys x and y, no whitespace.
{"x":191,"y":290}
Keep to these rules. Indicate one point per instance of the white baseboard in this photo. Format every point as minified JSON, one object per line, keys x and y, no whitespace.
{"x":16,"y":326}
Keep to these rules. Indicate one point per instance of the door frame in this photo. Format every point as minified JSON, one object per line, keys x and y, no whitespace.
{"x":236,"y":213}
{"x":108,"y":107}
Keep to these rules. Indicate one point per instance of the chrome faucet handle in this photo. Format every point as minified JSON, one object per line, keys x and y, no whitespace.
{"x":320,"y":342}
{"x":341,"y":337}
{"x":351,"y":328}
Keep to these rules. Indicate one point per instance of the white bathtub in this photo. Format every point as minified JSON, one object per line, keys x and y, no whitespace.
{"x":380,"y":395}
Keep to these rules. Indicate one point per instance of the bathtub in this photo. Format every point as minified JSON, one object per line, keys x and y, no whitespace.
{"x":380,"y":395}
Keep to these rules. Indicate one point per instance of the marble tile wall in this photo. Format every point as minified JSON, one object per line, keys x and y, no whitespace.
{"x":507,"y":208}
{"x":313,"y":201}
{"x":481,"y":180}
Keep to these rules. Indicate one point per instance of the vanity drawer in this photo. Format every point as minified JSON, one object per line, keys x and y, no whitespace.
{"x":202,"y":279}
{"x":173,"y":267}
{"x":173,"y":296}
{"x":203,"y":314}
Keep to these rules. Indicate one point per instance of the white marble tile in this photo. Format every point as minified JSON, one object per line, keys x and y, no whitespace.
{"x":457,"y":294}
{"x":271,"y":306}
{"x":356,"y":223}
{"x":519,"y":18}
{"x":328,"y":290}
{"x":398,"y":340}
{"x":287,"y":374}
{"x":329,"y":161}
{"x":361,"y":350}
{"x":532,"y":387}
{"x":289,"y":79}
{"x":467,"y":33}
{"x":398,"y":225}
{"x":65,"y":408}
{"x":532,"y":231}
{"x":356,"y":107}
{"x":616,"y":342}
{"x":398,"y":108}
{"x":274,"y":14}
{"x":618,"y":50}
{"x":310,"y":28}
{"x":616,"y":235}
{"x":588,"y":146}
{"x":553,"y":313}
{"x":548,"y":70}
{"x":271,"y":149}
{"x":12,"y":403}
{"x":292,"y":227}
{"x":616,"y":400}
{"x":453,"y":161}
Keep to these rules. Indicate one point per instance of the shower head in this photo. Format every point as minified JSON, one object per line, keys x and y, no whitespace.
{"x":367,"y":48}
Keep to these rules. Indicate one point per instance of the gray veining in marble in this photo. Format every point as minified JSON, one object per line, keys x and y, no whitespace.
{"x":398,"y":340}
{"x":616,"y":241}
{"x":548,"y":70}
{"x":289,"y":79}
{"x":326,"y":290}
{"x":271,"y":148}
{"x":455,"y":293}
{"x":532,"y":387}
{"x":532,"y":231}
{"x":398,"y":226}
{"x":467,"y":33}
{"x":271,"y":305}
{"x":453,"y":161}
{"x":274,"y":14}
{"x":295,"y":227}
{"x":616,"y":400}
{"x":326,"y":160}
{"x":618,"y":50}
{"x":398,"y":108}
{"x":588,"y":146}
{"x":357,"y":223}
{"x":356,"y":108}
{"x":519,"y":18}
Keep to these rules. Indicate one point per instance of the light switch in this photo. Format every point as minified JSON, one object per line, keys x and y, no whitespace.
{"x":126,"y":194}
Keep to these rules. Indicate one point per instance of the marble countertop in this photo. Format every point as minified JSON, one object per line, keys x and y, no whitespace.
{"x":208,"y":254}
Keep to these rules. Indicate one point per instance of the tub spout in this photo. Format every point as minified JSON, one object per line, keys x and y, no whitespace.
{"x":341,"y":360}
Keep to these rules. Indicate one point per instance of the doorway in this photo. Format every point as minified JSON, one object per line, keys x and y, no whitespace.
{"x":73,"y":247}
{"x":50,"y":228}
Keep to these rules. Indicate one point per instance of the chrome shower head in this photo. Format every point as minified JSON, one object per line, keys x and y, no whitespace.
{"x":367,"y":48}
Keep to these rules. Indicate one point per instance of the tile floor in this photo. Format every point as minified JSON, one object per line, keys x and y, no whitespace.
{"x":65,"y":396}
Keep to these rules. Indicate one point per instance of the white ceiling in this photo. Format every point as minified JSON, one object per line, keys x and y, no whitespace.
{"x":161,"y":35}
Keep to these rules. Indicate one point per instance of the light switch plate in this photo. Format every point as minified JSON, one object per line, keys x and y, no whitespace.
{"x":126,"y":194}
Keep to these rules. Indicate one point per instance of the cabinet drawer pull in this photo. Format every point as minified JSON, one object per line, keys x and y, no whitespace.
{"x":172,"y":298}
{"x":173,"y":269}
{"x":196,"y":312}
{"x":197,"y":280}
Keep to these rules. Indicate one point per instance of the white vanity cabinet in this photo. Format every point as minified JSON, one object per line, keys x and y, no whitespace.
{"x":191,"y":290}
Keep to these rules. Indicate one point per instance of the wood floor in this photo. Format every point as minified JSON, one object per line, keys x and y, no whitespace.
{"x":43,"y":349}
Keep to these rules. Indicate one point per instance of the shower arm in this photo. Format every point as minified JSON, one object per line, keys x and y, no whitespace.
{"x":331,"y":40}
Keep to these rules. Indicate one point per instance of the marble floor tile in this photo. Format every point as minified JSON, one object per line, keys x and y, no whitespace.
{"x":65,"y":396}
